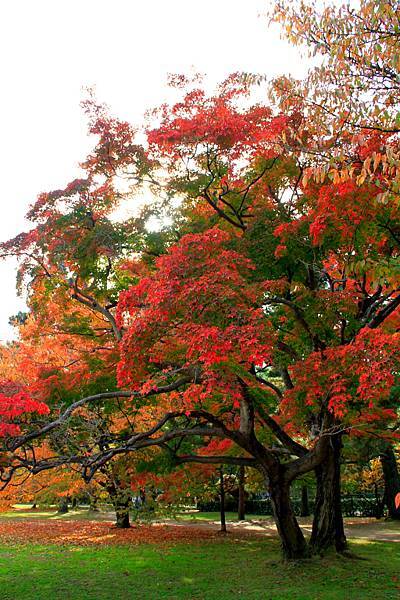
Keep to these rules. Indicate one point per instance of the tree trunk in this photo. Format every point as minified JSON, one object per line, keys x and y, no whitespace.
{"x":62,"y":506}
{"x":305,"y":509}
{"x":328,"y":528}
{"x":222,"y":500}
{"x":379,"y":503}
{"x":392,"y":480}
{"x":241,"y":499}
{"x":121,"y":500}
{"x":122,"y":514}
{"x":93,"y":500}
{"x":294,"y":545}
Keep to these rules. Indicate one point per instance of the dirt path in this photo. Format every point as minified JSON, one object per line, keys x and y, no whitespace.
{"x":384,"y":531}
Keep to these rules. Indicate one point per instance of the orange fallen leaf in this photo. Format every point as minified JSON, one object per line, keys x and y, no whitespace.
{"x":89,"y":533}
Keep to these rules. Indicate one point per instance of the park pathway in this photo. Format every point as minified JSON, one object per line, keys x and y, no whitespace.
{"x":369,"y":529}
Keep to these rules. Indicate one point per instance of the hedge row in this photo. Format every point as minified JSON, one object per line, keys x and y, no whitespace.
{"x":352,"y":506}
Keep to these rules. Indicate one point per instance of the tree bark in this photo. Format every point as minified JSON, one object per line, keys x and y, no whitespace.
{"x":241,"y":498}
{"x":121,"y":508}
{"x":121,"y":500}
{"x":379,"y":503}
{"x":305,"y":508}
{"x":392,"y":480}
{"x":294,"y":545}
{"x":62,"y":506}
{"x":222,"y":500}
{"x":93,"y":500}
{"x":328,"y":528}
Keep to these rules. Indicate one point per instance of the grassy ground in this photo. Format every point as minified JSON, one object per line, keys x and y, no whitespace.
{"x":25,"y":512}
{"x":222,"y":569}
{"x":215,"y":516}
{"x":51,"y":513}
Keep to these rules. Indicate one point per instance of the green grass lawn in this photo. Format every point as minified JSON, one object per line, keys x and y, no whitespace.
{"x":51,"y":513}
{"x":25,"y":512}
{"x":223,"y":569}
{"x":215,"y":516}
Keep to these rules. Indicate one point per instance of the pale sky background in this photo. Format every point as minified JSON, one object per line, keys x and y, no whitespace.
{"x":51,"y":49}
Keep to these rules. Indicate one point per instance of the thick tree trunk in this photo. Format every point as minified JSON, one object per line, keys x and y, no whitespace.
{"x":241,"y":498}
{"x":392,"y":480}
{"x":222,"y":500}
{"x":294,"y":545}
{"x":121,"y":500}
{"x":121,"y":508}
{"x":63,"y":506}
{"x":305,"y":509}
{"x":93,"y":504}
{"x":328,"y":528}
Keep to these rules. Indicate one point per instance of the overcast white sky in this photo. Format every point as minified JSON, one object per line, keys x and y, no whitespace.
{"x":51,"y":49}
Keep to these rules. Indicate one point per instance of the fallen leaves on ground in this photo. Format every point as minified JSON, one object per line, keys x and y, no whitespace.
{"x":90,"y":533}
